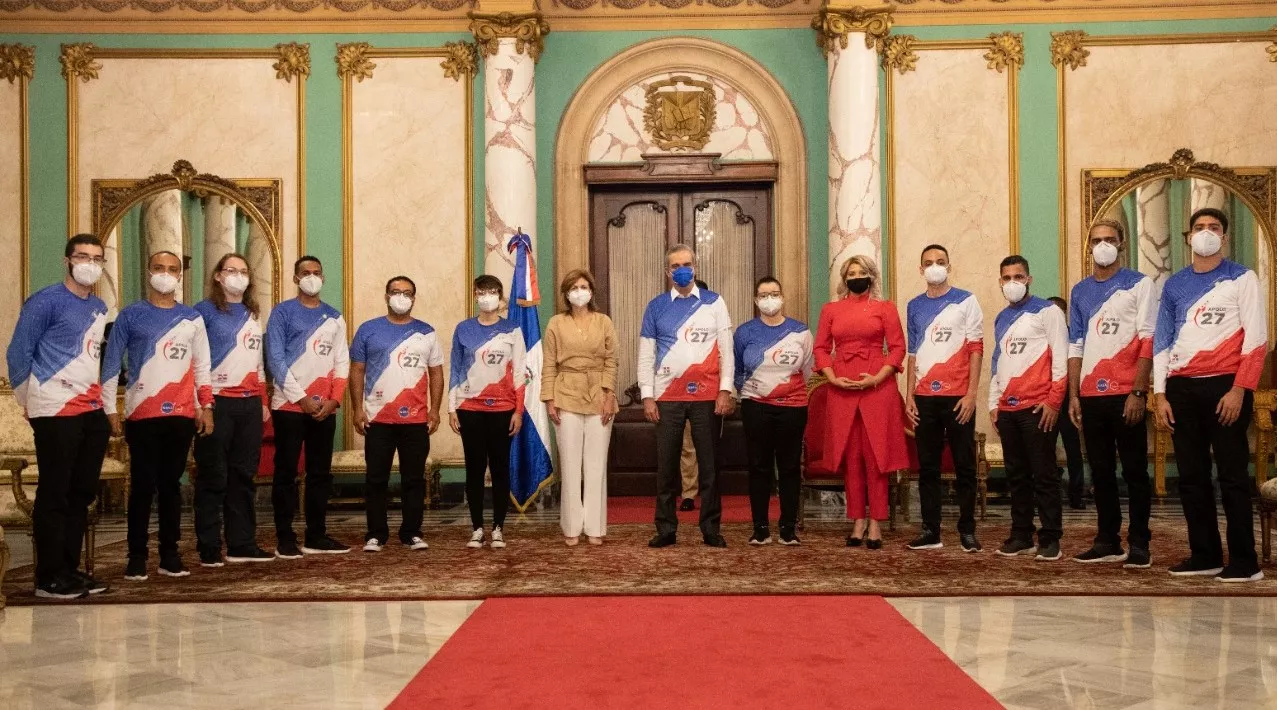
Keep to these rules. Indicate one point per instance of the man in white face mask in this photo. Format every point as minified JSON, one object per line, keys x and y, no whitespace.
{"x":1209,"y":351}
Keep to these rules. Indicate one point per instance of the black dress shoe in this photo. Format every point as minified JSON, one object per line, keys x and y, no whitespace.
{"x":663,"y":540}
{"x":854,"y":541}
{"x":687,"y":504}
{"x":715,"y":540}
{"x":873,"y":544}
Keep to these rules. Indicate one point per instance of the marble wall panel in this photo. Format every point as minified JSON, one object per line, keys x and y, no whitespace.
{"x":410,"y":216}
{"x":951,"y":183}
{"x":11,"y":294}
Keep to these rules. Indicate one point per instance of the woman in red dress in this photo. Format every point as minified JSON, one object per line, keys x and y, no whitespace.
{"x":860,"y":347}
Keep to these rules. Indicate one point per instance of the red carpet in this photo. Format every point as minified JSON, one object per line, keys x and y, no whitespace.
{"x":642,"y":509}
{"x":734,"y":653}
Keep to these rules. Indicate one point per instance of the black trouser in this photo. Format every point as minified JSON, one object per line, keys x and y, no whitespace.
{"x":69,"y":451}
{"x":413,"y":443}
{"x":158,"y":447}
{"x":1073,"y":459}
{"x":707,"y":430}
{"x":293,"y":431}
{"x":1197,"y":433}
{"x":226,"y":465}
{"x":937,"y":424}
{"x":485,"y":442}
{"x":1108,"y":437}
{"x":774,"y":441}
{"x":1028,"y":454}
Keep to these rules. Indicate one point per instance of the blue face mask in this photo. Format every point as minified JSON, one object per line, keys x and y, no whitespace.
{"x":683,"y":276}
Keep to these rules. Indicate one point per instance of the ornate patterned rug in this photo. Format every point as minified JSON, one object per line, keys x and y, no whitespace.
{"x":538,"y":563}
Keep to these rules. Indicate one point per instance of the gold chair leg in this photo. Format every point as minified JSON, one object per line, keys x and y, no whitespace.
{"x":904,"y":500}
{"x":4,"y":564}
{"x":983,"y":492}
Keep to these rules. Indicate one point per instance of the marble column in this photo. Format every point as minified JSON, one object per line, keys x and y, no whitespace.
{"x":849,"y":38}
{"x":219,"y":232}
{"x":162,"y":228}
{"x":510,"y":44}
{"x":1153,"y":230}
{"x":260,"y":267}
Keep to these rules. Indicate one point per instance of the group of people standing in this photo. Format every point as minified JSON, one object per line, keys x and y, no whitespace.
{"x":198,"y":374}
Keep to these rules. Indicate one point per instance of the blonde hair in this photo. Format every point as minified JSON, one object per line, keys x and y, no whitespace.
{"x":866,"y":263}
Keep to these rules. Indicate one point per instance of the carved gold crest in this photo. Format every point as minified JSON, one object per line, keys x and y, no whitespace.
{"x":680,"y":113}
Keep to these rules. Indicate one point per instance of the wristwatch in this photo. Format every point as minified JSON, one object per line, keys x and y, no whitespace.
{"x":1139,"y":393}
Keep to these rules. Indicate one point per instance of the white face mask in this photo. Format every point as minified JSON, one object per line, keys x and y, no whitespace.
{"x":1014,"y":291}
{"x":1205,"y":242}
{"x":310,"y":284}
{"x":936,"y":274}
{"x":400,"y":303}
{"x":86,"y":274}
{"x":488,"y":302}
{"x":235,"y":284}
{"x":579,"y":297}
{"x":164,"y":282}
{"x":1104,"y":254}
{"x":770,"y":305}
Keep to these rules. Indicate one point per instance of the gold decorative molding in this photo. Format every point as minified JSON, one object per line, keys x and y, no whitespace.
{"x":294,"y":61}
{"x":353,"y":62}
{"x":898,"y":53}
{"x":17,"y":66}
{"x":78,"y":62}
{"x":462,"y":60}
{"x":1067,"y":49}
{"x":1272,"y":48}
{"x":527,"y":31}
{"x":1007,"y":51}
{"x":17,"y":62}
{"x":833,"y":26}
{"x":680,"y":120}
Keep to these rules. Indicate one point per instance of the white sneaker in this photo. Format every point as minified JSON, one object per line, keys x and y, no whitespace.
{"x":373,"y":545}
{"x":476,"y":539}
{"x":418,"y":544}
{"x":498,"y":540}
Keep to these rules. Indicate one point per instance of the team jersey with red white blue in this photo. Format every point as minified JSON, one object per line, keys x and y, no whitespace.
{"x":1111,"y":325}
{"x":306,"y":354}
{"x":488,"y":371}
{"x":685,"y":347}
{"x":1211,"y":324}
{"x":53,"y":357}
{"x":943,"y":332}
{"x":235,"y":346}
{"x":396,"y":358}
{"x":1030,"y":358}
{"x":773,"y":362}
{"x":167,"y":351}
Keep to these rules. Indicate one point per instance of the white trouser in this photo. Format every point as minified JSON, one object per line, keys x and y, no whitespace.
{"x":583,"y":442}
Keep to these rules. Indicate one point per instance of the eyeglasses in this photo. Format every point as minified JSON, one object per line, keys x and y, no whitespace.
{"x":231,"y":272}
{"x":487,"y":293}
{"x":81,"y":258}
{"x":409,"y":294}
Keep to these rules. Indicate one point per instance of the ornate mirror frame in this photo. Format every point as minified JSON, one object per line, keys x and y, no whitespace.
{"x":258,"y":197}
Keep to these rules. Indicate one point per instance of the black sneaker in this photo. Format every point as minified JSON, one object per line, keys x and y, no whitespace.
{"x":1239,"y":574}
{"x":135,"y":571}
{"x":1014,"y":546}
{"x":1101,"y":552}
{"x":325,"y":546}
{"x":64,"y":586}
{"x":1049,"y":552}
{"x":787,"y":537}
{"x":687,"y":504}
{"x":92,"y":585}
{"x":969,"y":542}
{"x":211,"y":558}
{"x":288,"y":551}
{"x":761,"y":536}
{"x":928,"y":540}
{"x":1138,"y":558}
{"x":715,"y":540}
{"x":1193,"y":568}
{"x":662,"y":540}
{"x":173,"y":567}
{"x":251,"y":554}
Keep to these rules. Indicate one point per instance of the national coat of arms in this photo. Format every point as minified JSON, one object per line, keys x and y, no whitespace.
{"x":680,"y":113}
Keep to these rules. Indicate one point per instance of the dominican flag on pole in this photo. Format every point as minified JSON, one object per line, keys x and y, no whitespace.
{"x":530,"y":465}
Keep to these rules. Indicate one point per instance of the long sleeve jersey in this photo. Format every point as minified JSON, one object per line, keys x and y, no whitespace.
{"x":1030,"y":359}
{"x":488,"y":367}
{"x":306,"y":354}
{"x":685,"y":347}
{"x":1210,"y":324}
{"x":235,"y":346}
{"x":168,"y":362}
{"x":773,"y":363}
{"x":396,"y":359}
{"x":1111,"y":326}
{"x":54,"y":364}
{"x":943,"y":333}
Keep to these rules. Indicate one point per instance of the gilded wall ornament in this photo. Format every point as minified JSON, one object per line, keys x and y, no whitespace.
{"x":1007,"y":51}
{"x":462,"y":60}
{"x":680,"y":113}
{"x":527,"y":31}
{"x":353,"y":61}
{"x":1272,"y":48}
{"x":833,"y":26}
{"x":17,"y":61}
{"x":294,"y":61}
{"x":898,"y":53}
{"x":1067,"y":49}
{"x":77,"y":61}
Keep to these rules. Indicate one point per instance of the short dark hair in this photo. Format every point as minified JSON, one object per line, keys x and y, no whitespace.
{"x":1210,"y":212}
{"x":767,"y":280}
{"x":90,"y":239}
{"x":154,"y":254}
{"x":403,"y":278}
{"x":488,"y":282}
{"x":702,"y":284}
{"x":929,"y":247}
{"x":1059,"y":301}
{"x":298,"y":264}
{"x":1012,"y":261}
